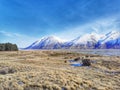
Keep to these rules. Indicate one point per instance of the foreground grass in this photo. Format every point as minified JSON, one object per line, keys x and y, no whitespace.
{"x":51,"y":70}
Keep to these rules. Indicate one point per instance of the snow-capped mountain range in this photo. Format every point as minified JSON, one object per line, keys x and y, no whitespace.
{"x":110,"y":40}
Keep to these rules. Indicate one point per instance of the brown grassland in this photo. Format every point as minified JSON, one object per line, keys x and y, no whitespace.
{"x":51,"y":70}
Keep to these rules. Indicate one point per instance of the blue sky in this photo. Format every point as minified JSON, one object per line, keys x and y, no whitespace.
{"x":24,"y":21}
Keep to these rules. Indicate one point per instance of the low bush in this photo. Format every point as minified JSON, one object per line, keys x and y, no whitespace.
{"x":8,"y":47}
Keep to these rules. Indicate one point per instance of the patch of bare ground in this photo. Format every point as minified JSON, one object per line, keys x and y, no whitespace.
{"x":51,"y":70}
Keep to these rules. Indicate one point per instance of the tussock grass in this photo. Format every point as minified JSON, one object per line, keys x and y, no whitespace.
{"x":51,"y":70}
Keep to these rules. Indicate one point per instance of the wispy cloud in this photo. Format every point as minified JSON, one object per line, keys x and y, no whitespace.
{"x":9,"y":34}
{"x":106,"y":25}
{"x":6,"y":33}
{"x":20,"y":39}
{"x":101,"y":26}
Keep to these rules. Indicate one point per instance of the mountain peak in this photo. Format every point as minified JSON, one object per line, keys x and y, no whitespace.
{"x":48,"y":42}
{"x":50,"y":37}
{"x":93,"y":37}
{"x":91,"y":40}
{"x":54,"y":38}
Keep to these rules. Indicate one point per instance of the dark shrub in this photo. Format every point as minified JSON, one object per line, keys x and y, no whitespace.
{"x":8,"y":47}
{"x":77,"y":59}
{"x":7,"y":70}
{"x":86,"y":62}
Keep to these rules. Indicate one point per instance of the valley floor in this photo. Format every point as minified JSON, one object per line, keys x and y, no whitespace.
{"x":51,"y":70}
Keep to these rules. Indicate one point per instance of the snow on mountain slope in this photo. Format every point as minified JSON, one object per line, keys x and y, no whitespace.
{"x":110,"y":36}
{"x":87,"y":41}
{"x":50,"y":42}
{"x":113,"y":43}
{"x":110,"y":40}
{"x":93,"y":37}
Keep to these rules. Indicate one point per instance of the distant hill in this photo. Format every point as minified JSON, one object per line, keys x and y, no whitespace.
{"x":8,"y":47}
{"x":110,"y":40}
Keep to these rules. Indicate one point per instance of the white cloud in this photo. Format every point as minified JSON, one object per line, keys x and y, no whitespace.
{"x":6,"y":33}
{"x":19,"y":39}
{"x":100,"y":26}
{"x":106,"y":25}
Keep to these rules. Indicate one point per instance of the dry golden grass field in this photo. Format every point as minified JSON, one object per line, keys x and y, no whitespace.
{"x":51,"y":70}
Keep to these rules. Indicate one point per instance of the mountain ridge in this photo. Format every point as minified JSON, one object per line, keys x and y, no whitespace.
{"x":110,"y":40}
